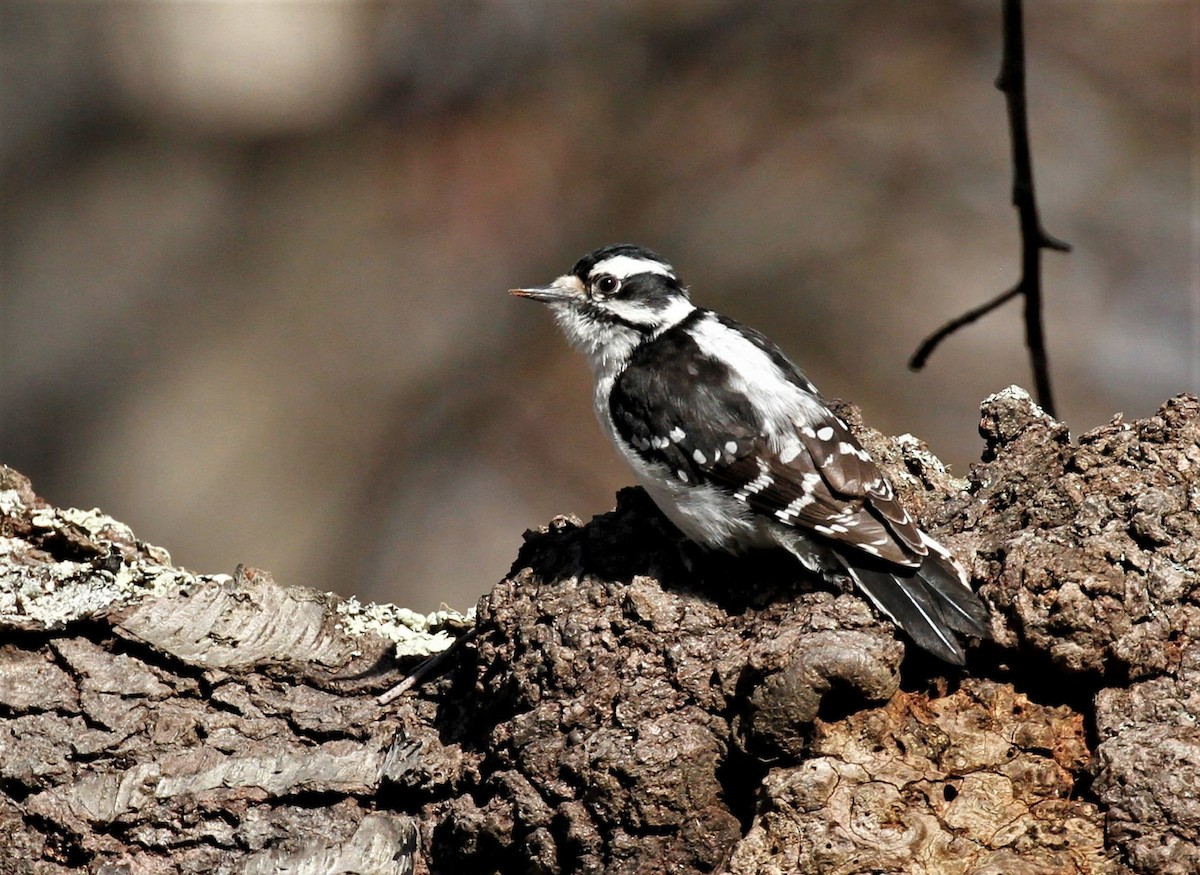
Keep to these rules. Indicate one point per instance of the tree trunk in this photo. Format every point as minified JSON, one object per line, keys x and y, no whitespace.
{"x":628,"y":706}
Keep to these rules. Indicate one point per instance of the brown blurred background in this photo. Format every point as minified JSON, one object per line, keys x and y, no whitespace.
{"x":254,"y":257}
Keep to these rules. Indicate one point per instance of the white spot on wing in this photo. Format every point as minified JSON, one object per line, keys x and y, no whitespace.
{"x":682,"y":474}
{"x":824,"y":433}
{"x":677,"y":434}
{"x":731,"y":447}
{"x":789,"y":452}
{"x":699,"y":457}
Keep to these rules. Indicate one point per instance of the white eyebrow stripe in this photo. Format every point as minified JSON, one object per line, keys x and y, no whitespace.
{"x":623,"y":266}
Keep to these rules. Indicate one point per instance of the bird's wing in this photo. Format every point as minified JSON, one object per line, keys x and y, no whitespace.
{"x":849,"y":470}
{"x":682,"y":411}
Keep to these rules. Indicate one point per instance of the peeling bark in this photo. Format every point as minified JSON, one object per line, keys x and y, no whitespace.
{"x":628,"y":706}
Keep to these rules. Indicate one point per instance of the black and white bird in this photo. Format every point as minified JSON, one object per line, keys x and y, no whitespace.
{"x":739,"y":450}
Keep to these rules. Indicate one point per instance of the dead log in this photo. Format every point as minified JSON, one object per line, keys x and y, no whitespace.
{"x":625,"y":706}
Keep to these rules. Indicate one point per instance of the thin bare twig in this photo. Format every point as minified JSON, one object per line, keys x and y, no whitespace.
{"x":931,"y":342}
{"x":426,"y":668}
{"x":1034,"y":238}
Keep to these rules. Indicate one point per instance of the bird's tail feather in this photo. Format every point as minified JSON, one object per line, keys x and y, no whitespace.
{"x":962,"y":609}
{"x":930,"y":603}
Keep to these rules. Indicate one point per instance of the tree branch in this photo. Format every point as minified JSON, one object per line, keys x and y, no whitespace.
{"x":1034,"y":238}
{"x":931,"y":343}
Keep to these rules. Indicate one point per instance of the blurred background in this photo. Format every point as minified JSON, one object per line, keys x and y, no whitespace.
{"x":254,"y":256}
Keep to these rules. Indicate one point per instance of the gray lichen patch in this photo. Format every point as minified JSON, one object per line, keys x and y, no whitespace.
{"x":63,"y":565}
{"x":58,"y":566}
{"x":414,"y":634}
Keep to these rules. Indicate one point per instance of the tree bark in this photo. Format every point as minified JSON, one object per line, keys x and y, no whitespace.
{"x":627,"y":705}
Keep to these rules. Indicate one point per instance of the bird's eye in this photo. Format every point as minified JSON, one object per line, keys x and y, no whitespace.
{"x":606,"y":284}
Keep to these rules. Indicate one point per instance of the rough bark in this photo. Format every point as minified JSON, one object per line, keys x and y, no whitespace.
{"x":628,"y":706}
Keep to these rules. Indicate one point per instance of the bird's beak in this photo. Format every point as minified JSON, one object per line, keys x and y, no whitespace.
{"x":563,"y":290}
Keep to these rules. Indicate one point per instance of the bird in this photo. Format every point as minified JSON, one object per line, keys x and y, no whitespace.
{"x":740,"y":451}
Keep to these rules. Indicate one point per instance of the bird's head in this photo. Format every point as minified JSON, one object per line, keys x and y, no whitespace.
{"x":613,"y":299}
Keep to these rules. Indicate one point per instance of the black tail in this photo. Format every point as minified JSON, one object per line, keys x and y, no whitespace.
{"x":930,"y":603}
